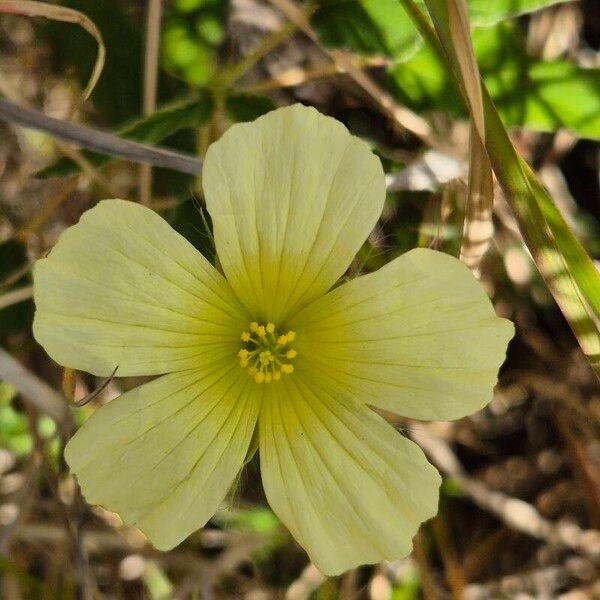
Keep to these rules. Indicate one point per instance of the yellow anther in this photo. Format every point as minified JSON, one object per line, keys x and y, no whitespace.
{"x":264,"y":351}
{"x":265,"y":357}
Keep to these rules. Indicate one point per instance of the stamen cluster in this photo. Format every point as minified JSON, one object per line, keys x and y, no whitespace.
{"x":265,"y":351}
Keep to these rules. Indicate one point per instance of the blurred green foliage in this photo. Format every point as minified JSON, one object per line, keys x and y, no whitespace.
{"x":255,"y":520}
{"x":367,"y":27}
{"x":15,"y":433}
{"x":193,"y":31}
{"x":408,"y":585}
{"x":542,"y":95}
{"x":383,"y":26}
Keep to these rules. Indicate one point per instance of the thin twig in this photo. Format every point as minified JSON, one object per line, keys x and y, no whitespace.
{"x":150,"y":84}
{"x":15,"y":96}
{"x":87,"y":167}
{"x":516,"y":513}
{"x":15,"y":296}
{"x":544,"y":582}
{"x":100,"y":141}
{"x":33,"y":389}
{"x":269,"y":43}
{"x":298,"y":75}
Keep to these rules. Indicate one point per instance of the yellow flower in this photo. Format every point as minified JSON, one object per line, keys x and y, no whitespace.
{"x":268,"y":347}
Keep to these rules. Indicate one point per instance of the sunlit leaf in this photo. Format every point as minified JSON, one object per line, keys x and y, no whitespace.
{"x":539,"y":94}
{"x":484,"y":13}
{"x":370,"y":27}
{"x":367,"y":27}
{"x":563,"y":263}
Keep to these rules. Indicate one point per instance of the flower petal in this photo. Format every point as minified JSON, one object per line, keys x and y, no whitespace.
{"x":292,"y":197}
{"x":419,"y":338}
{"x":123,"y":288}
{"x":165,"y":454}
{"x":350,"y":488}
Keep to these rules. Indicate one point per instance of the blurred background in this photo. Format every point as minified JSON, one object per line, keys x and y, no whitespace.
{"x":520,"y":506}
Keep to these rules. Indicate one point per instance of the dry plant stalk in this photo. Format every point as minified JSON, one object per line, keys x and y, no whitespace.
{"x":150,"y":85}
{"x":478,"y":229}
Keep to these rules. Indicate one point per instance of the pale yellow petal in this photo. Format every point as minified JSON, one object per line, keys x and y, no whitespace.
{"x":164,"y":455}
{"x":349,"y":487}
{"x":419,"y":338}
{"x":292,"y":197}
{"x":122,"y":288}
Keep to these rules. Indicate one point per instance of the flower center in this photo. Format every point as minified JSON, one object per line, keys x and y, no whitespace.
{"x":265,"y":353}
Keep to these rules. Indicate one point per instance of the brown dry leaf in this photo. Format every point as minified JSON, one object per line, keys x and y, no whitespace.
{"x":30,"y":8}
{"x":478,"y":229}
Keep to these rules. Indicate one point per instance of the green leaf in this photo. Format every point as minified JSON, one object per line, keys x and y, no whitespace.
{"x":367,"y":27}
{"x":562,"y":261}
{"x":190,"y":112}
{"x":167,"y":120}
{"x":371,"y":27}
{"x":541,"y":95}
{"x":484,"y":13}
{"x":247,"y":107}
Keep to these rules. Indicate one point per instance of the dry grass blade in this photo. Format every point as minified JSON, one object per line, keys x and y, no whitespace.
{"x":298,"y":75}
{"x":478,"y":229}
{"x":150,"y":84}
{"x":561,"y":259}
{"x":458,"y":22}
{"x":30,"y":8}
{"x":15,"y":296}
{"x":95,"y":393}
